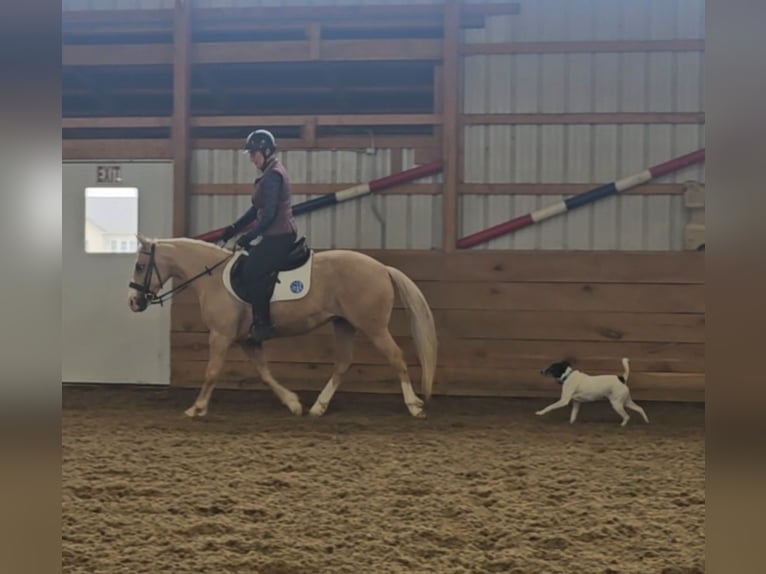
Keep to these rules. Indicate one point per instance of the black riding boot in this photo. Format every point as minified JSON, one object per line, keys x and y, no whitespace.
{"x":261,"y":329}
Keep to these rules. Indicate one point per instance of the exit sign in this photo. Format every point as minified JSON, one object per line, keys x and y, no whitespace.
{"x":108,"y":174}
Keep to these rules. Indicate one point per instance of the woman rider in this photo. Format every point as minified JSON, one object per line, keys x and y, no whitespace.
{"x":272,"y":213}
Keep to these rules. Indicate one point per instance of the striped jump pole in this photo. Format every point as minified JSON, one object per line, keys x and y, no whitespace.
{"x":582,"y":199}
{"x":355,"y":191}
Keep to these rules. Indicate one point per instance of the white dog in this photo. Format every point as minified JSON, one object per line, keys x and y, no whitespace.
{"x":580,"y":387}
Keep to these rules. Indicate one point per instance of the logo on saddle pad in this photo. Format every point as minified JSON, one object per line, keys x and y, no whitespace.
{"x":293,"y":278}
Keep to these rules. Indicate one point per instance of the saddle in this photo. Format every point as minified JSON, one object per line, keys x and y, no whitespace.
{"x":298,"y":257}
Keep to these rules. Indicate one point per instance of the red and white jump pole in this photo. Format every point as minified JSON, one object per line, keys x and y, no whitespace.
{"x":582,"y":199}
{"x":350,"y":193}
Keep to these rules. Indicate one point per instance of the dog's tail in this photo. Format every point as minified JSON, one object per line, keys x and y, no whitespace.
{"x":626,"y":366}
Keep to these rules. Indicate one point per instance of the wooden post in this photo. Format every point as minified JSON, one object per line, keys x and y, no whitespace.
{"x":315,"y":39}
{"x":451,"y":90}
{"x":180,"y":137}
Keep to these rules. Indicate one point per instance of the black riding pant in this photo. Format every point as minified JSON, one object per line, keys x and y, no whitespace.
{"x":263,"y":259}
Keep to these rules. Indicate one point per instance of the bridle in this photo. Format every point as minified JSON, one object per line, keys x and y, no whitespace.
{"x":151,"y":297}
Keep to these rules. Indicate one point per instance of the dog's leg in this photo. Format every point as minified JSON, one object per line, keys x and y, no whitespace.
{"x":617,"y":406}
{"x":575,"y":410}
{"x":634,"y":407}
{"x":557,"y":405}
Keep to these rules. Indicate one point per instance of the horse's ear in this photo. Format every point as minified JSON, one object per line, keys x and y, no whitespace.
{"x":142,"y":240}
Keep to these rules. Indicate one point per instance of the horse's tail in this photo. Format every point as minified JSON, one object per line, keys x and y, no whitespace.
{"x":422,"y":325}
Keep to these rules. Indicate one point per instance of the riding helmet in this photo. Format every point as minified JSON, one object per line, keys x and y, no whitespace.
{"x":262,"y":141}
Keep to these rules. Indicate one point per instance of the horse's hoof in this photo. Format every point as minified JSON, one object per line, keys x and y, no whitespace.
{"x":194,"y":411}
{"x":296,"y":409}
{"x":318,"y":410}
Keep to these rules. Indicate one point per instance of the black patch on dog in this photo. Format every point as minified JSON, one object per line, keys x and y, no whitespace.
{"x":556,"y":370}
{"x":622,"y":379}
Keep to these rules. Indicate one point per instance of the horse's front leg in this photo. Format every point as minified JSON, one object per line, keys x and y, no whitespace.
{"x":219,"y":345}
{"x":286,"y":396}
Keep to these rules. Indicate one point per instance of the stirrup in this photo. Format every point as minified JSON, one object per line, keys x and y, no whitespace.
{"x":260,"y":332}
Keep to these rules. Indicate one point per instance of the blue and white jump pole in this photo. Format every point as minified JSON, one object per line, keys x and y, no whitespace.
{"x":582,"y":199}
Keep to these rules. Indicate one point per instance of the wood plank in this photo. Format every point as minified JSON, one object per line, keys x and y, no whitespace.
{"x":115,"y":149}
{"x":116,"y":122}
{"x":685,"y":45}
{"x":326,"y":50}
{"x":563,"y":188}
{"x":577,"y":296}
{"x":334,"y":142}
{"x":380,"y":49}
{"x":455,"y":382}
{"x":313,"y":188}
{"x":453,"y":352}
{"x":543,"y":325}
{"x":181,"y":113}
{"x":450,"y":75}
{"x":314,"y":35}
{"x":548,"y":266}
{"x":517,"y":266}
{"x":571,"y":119}
{"x":542,"y":296}
{"x":251,"y":52}
{"x":117,"y":55}
{"x":335,"y":15}
{"x":91,"y":18}
{"x":310,"y":131}
{"x":396,"y":167}
{"x":322,"y":120}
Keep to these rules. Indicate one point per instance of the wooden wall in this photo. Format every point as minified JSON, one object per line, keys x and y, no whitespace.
{"x":501,"y":317}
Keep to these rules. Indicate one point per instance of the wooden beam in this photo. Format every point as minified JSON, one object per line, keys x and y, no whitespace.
{"x":114,"y":149}
{"x":583,"y":47}
{"x":316,"y":49}
{"x":116,"y":122}
{"x":323,"y":120}
{"x":250,"y":52}
{"x":247,"y":52}
{"x":117,"y":54}
{"x":599,"y":118}
{"x":181,"y":104}
{"x":450,"y":125}
{"x":310,"y":131}
{"x":90,"y":18}
{"x":396,"y":167}
{"x":471,"y":14}
{"x":350,"y":142}
{"x":314,"y":34}
{"x":397,"y":49}
{"x":315,"y":188}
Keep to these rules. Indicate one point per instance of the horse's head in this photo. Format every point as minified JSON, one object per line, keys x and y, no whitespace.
{"x":147,"y":277}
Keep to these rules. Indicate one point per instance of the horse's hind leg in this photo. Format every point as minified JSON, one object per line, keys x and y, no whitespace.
{"x":218,"y":345}
{"x":344,"y":350}
{"x":288,"y":398}
{"x":385,"y":343}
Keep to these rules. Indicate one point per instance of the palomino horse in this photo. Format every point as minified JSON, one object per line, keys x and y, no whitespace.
{"x":351,"y":290}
